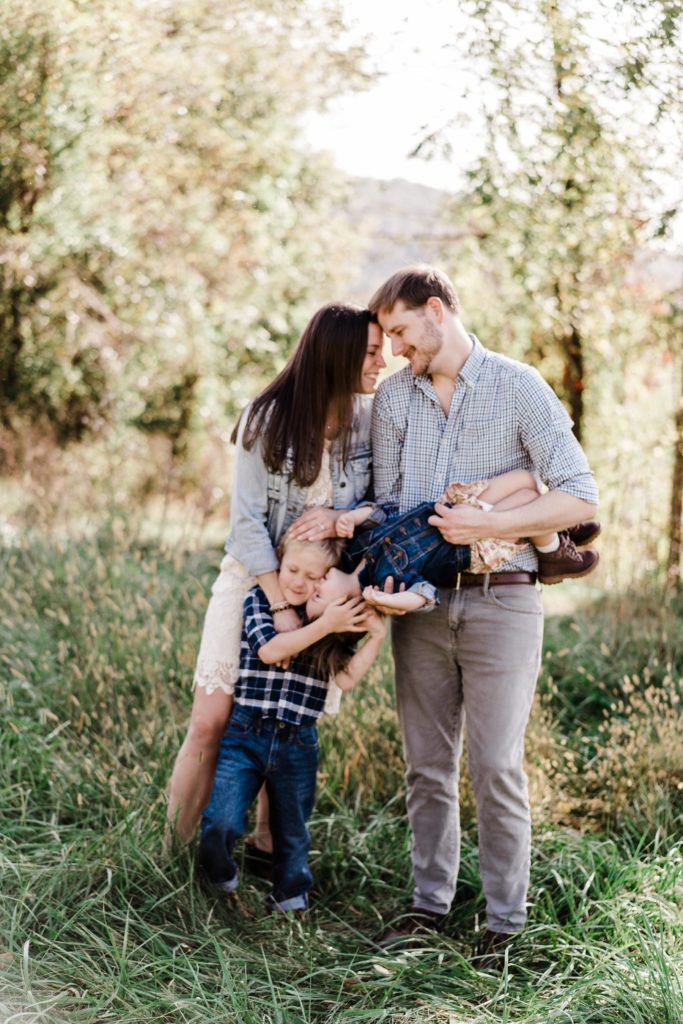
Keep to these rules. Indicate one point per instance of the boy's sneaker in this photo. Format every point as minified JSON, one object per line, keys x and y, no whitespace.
{"x":295,"y":907}
{"x":257,"y":861}
{"x":229,"y":886}
{"x":566,"y":562}
{"x":583,"y":533}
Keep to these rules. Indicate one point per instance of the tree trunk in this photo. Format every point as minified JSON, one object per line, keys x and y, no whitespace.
{"x":570,"y":342}
{"x":12,"y":344}
{"x":673,"y":568}
{"x":573,"y":377}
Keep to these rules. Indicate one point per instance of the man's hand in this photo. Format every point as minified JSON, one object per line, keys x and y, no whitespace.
{"x":555,"y":510}
{"x":462,"y":524}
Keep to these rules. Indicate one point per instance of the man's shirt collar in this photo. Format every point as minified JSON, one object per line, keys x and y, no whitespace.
{"x":472,"y":366}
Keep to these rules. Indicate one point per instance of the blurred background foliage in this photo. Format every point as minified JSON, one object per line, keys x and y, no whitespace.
{"x":166,"y":231}
{"x":162,"y":235}
{"x":568,"y":210}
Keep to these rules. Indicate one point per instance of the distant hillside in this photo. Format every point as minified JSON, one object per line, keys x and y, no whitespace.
{"x":401,"y":223}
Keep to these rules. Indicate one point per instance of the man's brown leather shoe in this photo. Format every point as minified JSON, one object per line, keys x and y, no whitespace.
{"x":489,"y":950}
{"x":411,"y":923}
{"x":566,"y":563}
{"x":583,"y":533}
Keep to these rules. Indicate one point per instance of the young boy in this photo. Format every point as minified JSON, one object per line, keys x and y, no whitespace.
{"x":271,"y":735}
{"x":415,"y":554}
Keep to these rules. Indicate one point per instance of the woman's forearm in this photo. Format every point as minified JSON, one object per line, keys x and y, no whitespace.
{"x":287,"y":619}
{"x":269,"y":582}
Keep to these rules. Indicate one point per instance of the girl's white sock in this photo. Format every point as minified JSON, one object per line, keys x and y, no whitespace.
{"x":545,"y":549}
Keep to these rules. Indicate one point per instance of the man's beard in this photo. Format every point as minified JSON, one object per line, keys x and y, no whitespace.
{"x":431,"y":344}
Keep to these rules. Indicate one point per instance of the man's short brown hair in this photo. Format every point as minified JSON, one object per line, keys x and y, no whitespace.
{"x":414,"y":286}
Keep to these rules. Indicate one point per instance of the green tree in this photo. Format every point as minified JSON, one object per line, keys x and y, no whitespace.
{"x":41,"y":371}
{"x":653,"y":63}
{"x":572,"y":191}
{"x":560,"y":201}
{"x":164,"y":223}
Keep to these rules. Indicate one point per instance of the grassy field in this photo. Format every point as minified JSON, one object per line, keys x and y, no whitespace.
{"x":101,"y":922}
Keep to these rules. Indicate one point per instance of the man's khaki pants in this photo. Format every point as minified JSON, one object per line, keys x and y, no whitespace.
{"x":476,"y":655}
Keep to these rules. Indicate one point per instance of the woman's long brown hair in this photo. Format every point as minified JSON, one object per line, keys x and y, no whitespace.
{"x":322,"y":375}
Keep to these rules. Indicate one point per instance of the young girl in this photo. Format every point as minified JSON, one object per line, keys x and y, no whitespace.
{"x":411,"y":551}
{"x":271,"y":736}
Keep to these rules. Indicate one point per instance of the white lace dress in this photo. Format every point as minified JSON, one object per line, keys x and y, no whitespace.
{"x":218,"y":661}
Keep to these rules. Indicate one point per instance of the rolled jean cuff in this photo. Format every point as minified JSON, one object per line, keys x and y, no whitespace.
{"x":377,"y":516}
{"x":228,"y":886}
{"x":428,"y":591}
{"x":299,"y":902}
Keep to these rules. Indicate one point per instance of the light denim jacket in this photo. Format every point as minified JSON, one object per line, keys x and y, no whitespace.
{"x":264,"y":503}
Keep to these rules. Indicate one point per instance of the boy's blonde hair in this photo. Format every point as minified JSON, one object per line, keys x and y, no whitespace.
{"x":331,"y":547}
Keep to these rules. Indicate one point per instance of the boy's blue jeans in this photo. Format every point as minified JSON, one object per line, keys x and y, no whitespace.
{"x":255,"y":750}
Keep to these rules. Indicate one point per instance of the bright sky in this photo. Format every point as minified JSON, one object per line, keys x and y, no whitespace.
{"x":413,"y":45}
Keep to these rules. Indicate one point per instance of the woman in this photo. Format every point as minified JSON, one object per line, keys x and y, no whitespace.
{"x":303,"y":455}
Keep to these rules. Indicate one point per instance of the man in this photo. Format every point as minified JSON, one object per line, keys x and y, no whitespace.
{"x":461,"y":412}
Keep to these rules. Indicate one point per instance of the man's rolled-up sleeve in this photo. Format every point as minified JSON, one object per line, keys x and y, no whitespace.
{"x":546,"y":432}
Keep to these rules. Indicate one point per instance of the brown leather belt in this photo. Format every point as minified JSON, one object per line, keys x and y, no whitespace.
{"x":500,"y":579}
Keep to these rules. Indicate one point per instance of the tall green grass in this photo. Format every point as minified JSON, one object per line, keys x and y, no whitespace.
{"x":101,"y":922}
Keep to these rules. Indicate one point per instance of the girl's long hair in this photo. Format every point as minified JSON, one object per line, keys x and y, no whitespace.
{"x":321,"y":376}
{"x":331,"y":654}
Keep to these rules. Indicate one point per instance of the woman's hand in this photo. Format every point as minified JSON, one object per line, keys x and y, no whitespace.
{"x":315,"y":524}
{"x":345,"y":615}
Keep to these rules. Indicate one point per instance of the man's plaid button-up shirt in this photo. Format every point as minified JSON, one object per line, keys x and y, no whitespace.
{"x":502,"y":416}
